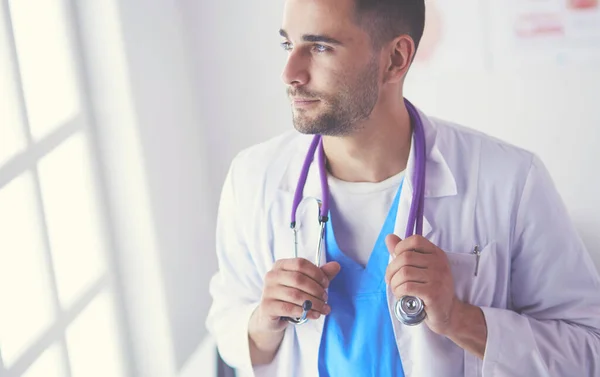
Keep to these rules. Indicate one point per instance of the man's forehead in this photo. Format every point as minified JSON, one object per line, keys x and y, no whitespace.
{"x":340,"y":5}
{"x":318,"y":16}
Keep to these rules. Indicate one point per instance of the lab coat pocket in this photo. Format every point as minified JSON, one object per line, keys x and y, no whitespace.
{"x":475,"y":275}
{"x":476,"y":278}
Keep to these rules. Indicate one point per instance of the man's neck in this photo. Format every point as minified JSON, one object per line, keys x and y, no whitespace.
{"x":375,"y":152}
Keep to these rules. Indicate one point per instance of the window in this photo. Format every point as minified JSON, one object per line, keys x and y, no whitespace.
{"x":58,"y":313}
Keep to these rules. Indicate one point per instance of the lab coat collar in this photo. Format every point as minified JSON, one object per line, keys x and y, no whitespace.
{"x":439,"y":180}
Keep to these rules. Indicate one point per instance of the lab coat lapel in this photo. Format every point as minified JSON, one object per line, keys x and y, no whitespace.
{"x":309,"y":334}
{"x":307,"y":214}
{"x":439,"y":182}
{"x":406,"y":201}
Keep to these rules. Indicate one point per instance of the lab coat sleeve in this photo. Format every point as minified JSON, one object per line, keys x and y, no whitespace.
{"x":237,"y":286}
{"x":554,"y":327}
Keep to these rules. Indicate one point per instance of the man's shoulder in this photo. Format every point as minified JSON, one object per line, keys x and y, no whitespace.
{"x":465,"y":143}
{"x":269,"y":157}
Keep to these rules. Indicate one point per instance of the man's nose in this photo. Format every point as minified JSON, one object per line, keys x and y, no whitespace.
{"x":295,"y":72}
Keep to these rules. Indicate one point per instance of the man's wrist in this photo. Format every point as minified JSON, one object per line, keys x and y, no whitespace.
{"x":468,"y":328}
{"x":263,"y":345}
{"x":460,"y":311}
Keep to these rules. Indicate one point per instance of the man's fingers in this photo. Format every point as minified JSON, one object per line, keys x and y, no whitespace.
{"x":277,"y":309}
{"x":307,"y":268}
{"x":297,"y":280}
{"x":287,"y":302}
{"x":415,"y":243}
{"x":404,"y":259}
{"x":411,"y":288}
{"x":331,"y":269}
{"x":297,"y":297}
{"x":409,"y":274}
{"x":391,"y":241}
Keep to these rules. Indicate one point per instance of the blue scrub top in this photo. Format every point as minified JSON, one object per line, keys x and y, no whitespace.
{"x":358,"y":337}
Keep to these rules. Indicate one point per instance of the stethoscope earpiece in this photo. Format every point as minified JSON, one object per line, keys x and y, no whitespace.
{"x":306,"y":306}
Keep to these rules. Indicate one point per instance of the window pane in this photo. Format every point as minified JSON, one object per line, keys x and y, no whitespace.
{"x":25,"y":292}
{"x":49,"y":364}
{"x":72,"y":217}
{"x":93,"y":340}
{"x":12,"y":138}
{"x":46,"y":62}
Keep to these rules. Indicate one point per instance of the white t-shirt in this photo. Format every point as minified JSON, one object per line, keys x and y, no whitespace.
{"x":358,"y":211}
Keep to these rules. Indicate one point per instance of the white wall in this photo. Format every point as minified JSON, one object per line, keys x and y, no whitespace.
{"x":172,"y":138}
{"x":154,"y":160}
{"x":237,"y":63}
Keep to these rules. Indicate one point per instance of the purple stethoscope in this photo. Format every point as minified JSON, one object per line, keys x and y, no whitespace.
{"x":409,"y":310}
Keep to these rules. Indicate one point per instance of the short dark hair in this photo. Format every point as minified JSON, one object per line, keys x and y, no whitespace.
{"x":385,"y":20}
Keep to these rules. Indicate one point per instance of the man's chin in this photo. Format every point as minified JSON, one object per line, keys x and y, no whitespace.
{"x":305,"y":124}
{"x":307,"y":130}
{"x":312,"y":125}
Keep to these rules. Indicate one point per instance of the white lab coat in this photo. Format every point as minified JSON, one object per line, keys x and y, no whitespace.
{"x":536,"y":283}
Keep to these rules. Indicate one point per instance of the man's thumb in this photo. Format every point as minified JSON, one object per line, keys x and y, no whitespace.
{"x":331,"y":269}
{"x":391,"y":241}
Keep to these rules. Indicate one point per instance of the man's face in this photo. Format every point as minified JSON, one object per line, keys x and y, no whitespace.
{"x":332,"y":73}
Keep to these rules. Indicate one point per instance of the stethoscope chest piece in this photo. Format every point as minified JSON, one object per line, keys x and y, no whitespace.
{"x":409,"y":310}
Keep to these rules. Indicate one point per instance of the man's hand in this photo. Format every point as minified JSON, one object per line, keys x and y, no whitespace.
{"x":289,"y":283}
{"x":421,"y":269}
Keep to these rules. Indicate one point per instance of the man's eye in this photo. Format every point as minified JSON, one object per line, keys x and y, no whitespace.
{"x":321,"y":48}
{"x":287,"y":46}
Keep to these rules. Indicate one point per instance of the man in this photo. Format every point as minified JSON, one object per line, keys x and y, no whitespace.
{"x":508,"y":287}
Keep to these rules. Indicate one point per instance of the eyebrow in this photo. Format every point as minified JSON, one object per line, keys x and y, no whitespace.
{"x":314,"y":38}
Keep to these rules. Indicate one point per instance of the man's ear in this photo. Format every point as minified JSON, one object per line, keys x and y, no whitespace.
{"x":400,"y":56}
